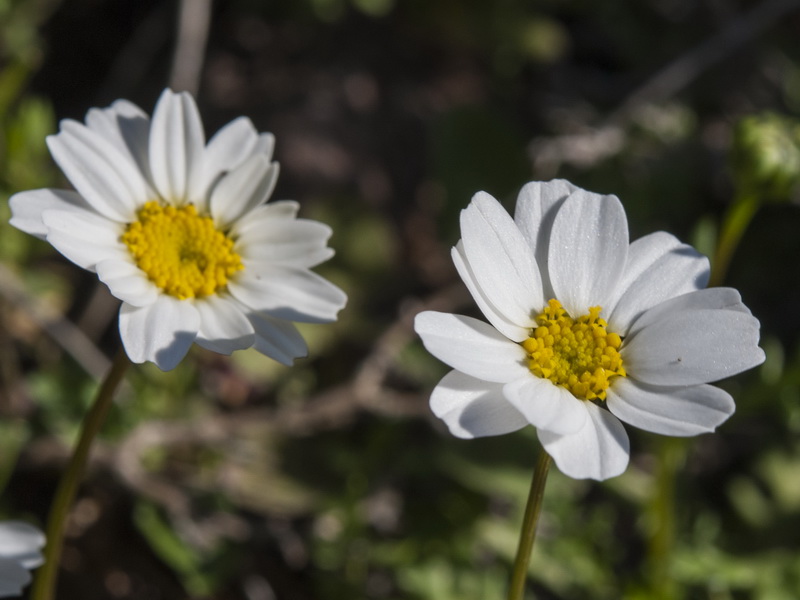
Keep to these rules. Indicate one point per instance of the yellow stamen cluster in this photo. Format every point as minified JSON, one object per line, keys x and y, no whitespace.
{"x":577,"y":354}
{"x":182,"y":252}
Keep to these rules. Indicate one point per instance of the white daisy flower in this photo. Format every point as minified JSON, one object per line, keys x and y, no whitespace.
{"x":180,"y":231}
{"x":19,"y":553}
{"x":586,"y":330}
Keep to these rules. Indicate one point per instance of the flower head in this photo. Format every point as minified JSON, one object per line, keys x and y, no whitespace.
{"x":587,"y":330}
{"x":19,"y":553}
{"x":180,"y":231}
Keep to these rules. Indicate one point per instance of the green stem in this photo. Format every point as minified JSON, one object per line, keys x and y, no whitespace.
{"x":46,"y":576}
{"x":672,"y":451}
{"x":519,"y":573}
{"x":737,"y":219}
{"x":671,"y":458}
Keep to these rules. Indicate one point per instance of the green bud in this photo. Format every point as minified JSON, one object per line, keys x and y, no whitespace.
{"x":766,"y":156}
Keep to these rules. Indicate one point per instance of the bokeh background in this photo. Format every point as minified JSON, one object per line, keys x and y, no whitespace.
{"x":234,"y":478}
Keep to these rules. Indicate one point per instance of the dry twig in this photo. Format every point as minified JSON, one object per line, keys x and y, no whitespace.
{"x":598,"y":143}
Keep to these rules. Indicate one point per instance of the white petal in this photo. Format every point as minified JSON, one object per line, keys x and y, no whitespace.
{"x":242,"y":189}
{"x":299,"y":255}
{"x":27,"y":208}
{"x":288,"y":293}
{"x":127,"y":282}
{"x":588,"y":248}
{"x":598,"y":451}
{"x":474,"y":408}
{"x":642,"y":254}
{"x":127,"y":127}
{"x":659,"y":267}
{"x":501,"y":260}
{"x":176,"y":144}
{"x":265,"y":145}
{"x":106,"y":178}
{"x":693,"y":346}
{"x":84,"y":237}
{"x":537,"y":204}
{"x":161,"y":332}
{"x":31,"y":560}
{"x":501,"y":323}
{"x":277,"y":338}
{"x":545,"y":405}
{"x":262,"y":216}
{"x":683,"y":411}
{"x":21,"y":541}
{"x":223,"y":326}
{"x":13,"y":578}
{"x":709,"y":299}
{"x":226,"y":150}
{"x":298,"y":243}
{"x":471,"y":346}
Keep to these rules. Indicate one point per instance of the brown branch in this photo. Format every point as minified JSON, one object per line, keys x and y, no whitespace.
{"x":681,"y":72}
{"x":69,"y":337}
{"x":588,"y":147}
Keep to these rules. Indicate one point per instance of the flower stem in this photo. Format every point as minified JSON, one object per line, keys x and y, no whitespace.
{"x":519,"y":573}
{"x":671,"y":458}
{"x":45,"y":583}
{"x":736,"y":220}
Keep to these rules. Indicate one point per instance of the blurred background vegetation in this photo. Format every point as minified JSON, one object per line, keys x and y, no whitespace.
{"x":238,"y":479}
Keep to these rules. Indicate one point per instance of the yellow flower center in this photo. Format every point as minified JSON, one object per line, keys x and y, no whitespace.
{"x":578,"y":354}
{"x":183,"y":253}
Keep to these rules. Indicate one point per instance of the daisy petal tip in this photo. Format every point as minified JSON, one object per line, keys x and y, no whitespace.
{"x":483,"y":207}
{"x":423,"y":320}
{"x":169,"y":357}
{"x":759,"y":356}
{"x":265,"y":144}
{"x":166,"y":357}
{"x":472,"y":408}
{"x":457,"y":430}
{"x":475,"y":423}
{"x":550,"y":190}
{"x":483,"y":199}
{"x":135,"y":350}
{"x":166,"y":95}
{"x":431,"y":323}
{"x":454,"y":421}
{"x":227,"y":345}
{"x":268,"y":140}
{"x":289,"y":360}
{"x":599,"y":451}
{"x":26,"y":212}
{"x":672,"y":411}
{"x":161,"y":333}
{"x":608,"y":470}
